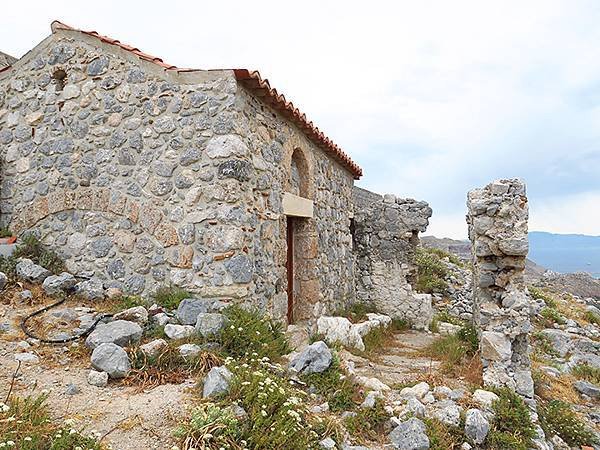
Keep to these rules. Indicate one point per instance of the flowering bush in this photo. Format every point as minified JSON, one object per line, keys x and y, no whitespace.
{"x":249,"y":332}
{"x":341,"y":393}
{"x":25,"y":425}
{"x":211,"y":427}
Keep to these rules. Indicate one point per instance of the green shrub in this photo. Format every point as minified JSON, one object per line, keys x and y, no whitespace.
{"x":210,"y":427}
{"x":170,"y":296}
{"x":249,"y":333}
{"x":512,"y":428}
{"x":444,"y":254}
{"x":557,"y":417}
{"x":453,"y":348}
{"x":444,"y":316}
{"x":25,"y":425}
{"x":31,"y":247}
{"x":468,"y":334}
{"x":431,"y":272}
{"x":5,"y":232}
{"x":541,"y":343}
{"x":539,"y":294}
{"x":335,"y":386}
{"x":8,"y":266}
{"x":586,"y":372}
{"x":590,"y":317}
{"x":368,"y":423}
{"x":277,"y":413}
{"x":442,"y":436}
{"x":552,"y":315}
{"x":125,"y":302}
{"x":356,"y":312}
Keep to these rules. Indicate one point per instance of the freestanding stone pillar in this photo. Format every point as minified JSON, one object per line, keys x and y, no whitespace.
{"x":497,"y":219}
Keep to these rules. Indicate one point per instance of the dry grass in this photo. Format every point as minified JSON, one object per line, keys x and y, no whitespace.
{"x":549,"y":388}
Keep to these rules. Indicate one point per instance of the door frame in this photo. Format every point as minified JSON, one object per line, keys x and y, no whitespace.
{"x":290,"y":269}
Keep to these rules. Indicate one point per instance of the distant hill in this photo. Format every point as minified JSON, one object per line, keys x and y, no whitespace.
{"x":566,"y":253}
{"x":563,"y":253}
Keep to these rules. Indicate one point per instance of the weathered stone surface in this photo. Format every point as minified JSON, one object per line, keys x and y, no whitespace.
{"x":495,"y":346}
{"x":112,"y":359}
{"x":56,"y":284}
{"x":174,"y":331}
{"x":216,"y":382}
{"x":119,"y":332}
{"x":90,"y":289}
{"x":315,"y":358}
{"x":587,"y":388}
{"x":419,"y":390}
{"x":340,"y":329}
{"x":29,"y":271}
{"x":137,"y":314}
{"x":154,"y":347}
{"x":409,"y":435}
{"x":210,"y":324}
{"x":189,"y":308}
{"x":484,"y":398}
{"x":189,"y":350}
{"x":98,"y":379}
{"x":477,"y":426}
{"x":447,"y":412}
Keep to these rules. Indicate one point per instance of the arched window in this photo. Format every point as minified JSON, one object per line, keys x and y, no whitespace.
{"x":299,"y":174}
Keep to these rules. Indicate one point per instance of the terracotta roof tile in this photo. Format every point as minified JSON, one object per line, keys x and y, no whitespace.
{"x":261,"y":87}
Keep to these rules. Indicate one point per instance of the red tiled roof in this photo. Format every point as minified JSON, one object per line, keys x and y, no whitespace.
{"x":253,"y":81}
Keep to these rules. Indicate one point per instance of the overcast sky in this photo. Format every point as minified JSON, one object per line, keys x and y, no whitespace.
{"x":431,"y":98}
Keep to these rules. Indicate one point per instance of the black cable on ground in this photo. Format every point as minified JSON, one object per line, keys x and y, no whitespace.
{"x":58,"y":341}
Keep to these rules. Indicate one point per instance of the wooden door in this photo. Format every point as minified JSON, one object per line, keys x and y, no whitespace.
{"x":290,"y":269}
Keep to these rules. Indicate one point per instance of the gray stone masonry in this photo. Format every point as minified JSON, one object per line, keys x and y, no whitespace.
{"x":385,"y":237}
{"x":497,"y":219}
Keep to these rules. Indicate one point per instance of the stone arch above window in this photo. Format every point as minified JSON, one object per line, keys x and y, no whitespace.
{"x":299,"y":182}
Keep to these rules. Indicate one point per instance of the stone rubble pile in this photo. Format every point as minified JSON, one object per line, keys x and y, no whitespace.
{"x":341,"y":330}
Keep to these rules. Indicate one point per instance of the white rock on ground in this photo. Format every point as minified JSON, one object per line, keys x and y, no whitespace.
{"x":98,"y":379}
{"x":340,"y":330}
{"x":484,"y":398}
{"x":90,"y":289}
{"x":29,"y":271}
{"x":447,"y":412}
{"x":136,"y":314}
{"x":419,"y":390}
{"x":409,"y":435}
{"x":154,"y":347}
{"x":587,"y":388}
{"x":161,"y":319}
{"x":3,"y":280}
{"x":119,"y":332}
{"x":112,"y":359}
{"x":415,"y":407}
{"x":189,"y":350}
{"x":189,"y":308}
{"x":477,"y":426}
{"x":315,"y":358}
{"x":174,"y":331}
{"x":216,"y":382}
{"x":55,"y":284}
{"x":210,"y":324}
{"x":27,"y":357}
{"x":327,"y":443}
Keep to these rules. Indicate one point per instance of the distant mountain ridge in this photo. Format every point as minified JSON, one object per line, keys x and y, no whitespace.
{"x":563,"y":253}
{"x":566,"y":253}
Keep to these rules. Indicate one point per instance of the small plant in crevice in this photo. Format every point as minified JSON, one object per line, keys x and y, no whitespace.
{"x":512,"y":428}
{"x":591,"y":317}
{"x":442,"y":436}
{"x":586,"y":372}
{"x":540,"y":294}
{"x":455,"y":349}
{"x":170,"y":296}
{"x":31,"y":247}
{"x":333,"y":384}
{"x":543,"y":345}
{"x":442,"y":254}
{"x":557,"y":418}
{"x":356,"y":312}
{"x":552,"y":316}
{"x":5,"y":232}
{"x":368,"y":423}
{"x":26,"y":425}
{"x":249,"y":331}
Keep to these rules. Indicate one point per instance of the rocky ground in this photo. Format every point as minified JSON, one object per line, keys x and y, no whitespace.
{"x":366,"y":382}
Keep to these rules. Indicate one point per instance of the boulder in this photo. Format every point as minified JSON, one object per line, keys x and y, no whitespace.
{"x":315,"y":358}
{"x":98,"y":379}
{"x":216,"y":382}
{"x":119,"y":332}
{"x":495,"y":346}
{"x":27,"y":357}
{"x":340,"y":330}
{"x":447,"y":412}
{"x":174,"y":331}
{"x":189,"y":350}
{"x":136,"y":314}
{"x":90,"y":289}
{"x":189,"y":308}
{"x":112,"y":359}
{"x":161,"y":319}
{"x":409,"y":435}
{"x":477,"y":426}
{"x":210,"y":324}
{"x":55,"y":284}
{"x":29,"y":271}
{"x":415,"y":407}
{"x":419,"y":390}
{"x":3,"y":280}
{"x":587,"y":388}
{"x":560,"y":340}
{"x":484,"y":398}
{"x":154,"y":347}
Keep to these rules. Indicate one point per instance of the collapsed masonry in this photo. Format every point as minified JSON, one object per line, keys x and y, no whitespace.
{"x":385,"y":236}
{"x":497,"y":219}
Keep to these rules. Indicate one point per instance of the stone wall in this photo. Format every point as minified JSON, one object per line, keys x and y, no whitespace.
{"x":497,"y":219}
{"x":143,"y":177}
{"x":385,"y":237}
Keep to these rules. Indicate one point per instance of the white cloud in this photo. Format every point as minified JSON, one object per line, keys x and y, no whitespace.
{"x":579,"y":213}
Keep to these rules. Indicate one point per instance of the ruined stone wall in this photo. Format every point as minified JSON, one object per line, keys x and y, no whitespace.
{"x":141,"y":177}
{"x":323,"y":246}
{"x":497,"y":219}
{"x":385,"y":237}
